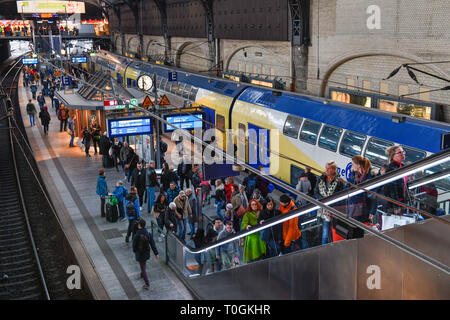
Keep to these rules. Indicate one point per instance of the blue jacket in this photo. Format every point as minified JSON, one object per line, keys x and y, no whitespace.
{"x":128,"y":198}
{"x":171,"y":195}
{"x":120,"y":193}
{"x":102,"y":188}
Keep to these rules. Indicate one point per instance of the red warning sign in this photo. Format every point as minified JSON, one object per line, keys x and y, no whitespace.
{"x":147,"y":103}
{"x":164,"y":101}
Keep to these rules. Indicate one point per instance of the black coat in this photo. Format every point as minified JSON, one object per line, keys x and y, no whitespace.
{"x":171,"y":217}
{"x":167,"y":177}
{"x":396,"y":189}
{"x":143,"y":256}
{"x":138,"y":178}
{"x":104,"y":145}
{"x":45,"y":117}
{"x":187,"y":168}
{"x":276,"y":232}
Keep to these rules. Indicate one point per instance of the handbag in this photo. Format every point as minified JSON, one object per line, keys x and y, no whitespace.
{"x":110,"y":152}
{"x":69,"y":132}
{"x":240,"y":212}
{"x":129,"y":164}
{"x":393,"y":221}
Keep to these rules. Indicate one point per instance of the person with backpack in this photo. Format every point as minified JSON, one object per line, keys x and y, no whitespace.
{"x":250,"y":184}
{"x":41,"y":100}
{"x":132,"y":210}
{"x":142,"y":241}
{"x":45,"y":119}
{"x":102,"y":190}
{"x":183,"y":171}
{"x":220,"y":198}
{"x":63,"y":115}
{"x":33,"y":89}
{"x":31,"y":111}
{"x":120,"y":192}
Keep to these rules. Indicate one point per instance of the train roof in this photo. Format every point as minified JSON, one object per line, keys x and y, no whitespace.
{"x":415,"y":132}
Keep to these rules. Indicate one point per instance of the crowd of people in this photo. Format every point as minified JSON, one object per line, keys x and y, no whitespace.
{"x":25,"y":30}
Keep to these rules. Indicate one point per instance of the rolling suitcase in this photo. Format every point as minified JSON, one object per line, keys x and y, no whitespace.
{"x":112,"y":209}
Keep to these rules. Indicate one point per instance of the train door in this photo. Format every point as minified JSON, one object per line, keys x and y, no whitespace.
{"x":209,"y":118}
{"x":258,"y":147}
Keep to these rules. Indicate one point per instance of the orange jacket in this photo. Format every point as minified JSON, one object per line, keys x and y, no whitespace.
{"x":290,"y":227}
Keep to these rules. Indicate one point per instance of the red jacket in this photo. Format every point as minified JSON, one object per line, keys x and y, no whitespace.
{"x":228,"y":192}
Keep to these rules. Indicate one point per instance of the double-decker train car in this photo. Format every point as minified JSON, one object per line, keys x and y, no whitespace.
{"x":311,"y":130}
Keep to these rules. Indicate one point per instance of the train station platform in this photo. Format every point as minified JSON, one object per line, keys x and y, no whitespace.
{"x":71,"y":180}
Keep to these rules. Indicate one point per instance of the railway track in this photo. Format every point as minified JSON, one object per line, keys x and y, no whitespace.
{"x":34,"y":253}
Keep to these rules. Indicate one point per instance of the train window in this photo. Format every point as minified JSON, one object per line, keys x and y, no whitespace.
{"x":187,"y":89}
{"x":163,"y":83}
{"x":352,"y":144}
{"x":413,"y":155}
{"x":329,"y":138}
{"x":220,"y":122}
{"x":193,"y":93}
{"x":310,"y":131}
{"x":292,"y":126}
{"x":375,"y":151}
{"x":295,"y":174}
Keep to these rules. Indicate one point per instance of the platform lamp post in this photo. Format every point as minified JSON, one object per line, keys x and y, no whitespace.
{"x":157,"y":126}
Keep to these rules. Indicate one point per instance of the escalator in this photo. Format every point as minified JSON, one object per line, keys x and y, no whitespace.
{"x":408,"y":259}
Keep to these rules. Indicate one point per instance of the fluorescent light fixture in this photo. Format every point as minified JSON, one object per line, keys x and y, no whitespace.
{"x":309,"y":221}
{"x":429,"y":179}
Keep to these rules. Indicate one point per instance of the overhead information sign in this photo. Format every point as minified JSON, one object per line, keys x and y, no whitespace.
{"x":47,"y":6}
{"x":184,"y":121}
{"x":79,"y":59}
{"x":29,"y":60}
{"x":129,"y":127}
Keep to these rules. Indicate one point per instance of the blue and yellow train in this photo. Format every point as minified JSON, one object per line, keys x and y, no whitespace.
{"x":311,"y":130}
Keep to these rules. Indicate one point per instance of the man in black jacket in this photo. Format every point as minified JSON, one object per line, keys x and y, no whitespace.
{"x":151,"y":182}
{"x":170,"y":219}
{"x":94,"y":128}
{"x":396,"y":189}
{"x":138,"y":181}
{"x":183,"y":171}
{"x":104,"y":146}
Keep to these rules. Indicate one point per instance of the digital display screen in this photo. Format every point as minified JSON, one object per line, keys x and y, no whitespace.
{"x":29,"y":60}
{"x":185,"y":121}
{"x":129,"y":127}
{"x":79,"y":60}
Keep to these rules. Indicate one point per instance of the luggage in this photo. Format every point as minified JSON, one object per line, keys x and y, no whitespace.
{"x":393,"y":221}
{"x":109,"y":162}
{"x":112,"y":212}
{"x":342,"y":230}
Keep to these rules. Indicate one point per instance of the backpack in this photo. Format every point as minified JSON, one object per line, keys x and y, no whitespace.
{"x":251,"y":184}
{"x":30,"y":108}
{"x":59,"y":114}
{"x":196,"y":180}
{"x":131,"y":210}
{"x":143,"y":243}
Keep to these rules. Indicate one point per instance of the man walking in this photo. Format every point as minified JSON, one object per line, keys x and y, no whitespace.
{"x":40,"y":100}
{"x":150,"y":182}
{"x":31,"y":111}
{"x":63,"y":115}
{"x":104,"y":145}
{"x":138,"y":181}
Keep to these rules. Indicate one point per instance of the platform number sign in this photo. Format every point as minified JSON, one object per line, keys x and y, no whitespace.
{"x":172,"y":76}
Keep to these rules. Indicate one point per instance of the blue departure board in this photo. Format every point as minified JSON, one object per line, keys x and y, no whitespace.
{"x":129,"y":127}
{"x":29,"y":60}
{"x":184,"y":121}
{"x":79,"y":59}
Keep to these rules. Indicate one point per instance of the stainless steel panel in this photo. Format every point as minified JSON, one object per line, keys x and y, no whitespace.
{"x":373,"y":251}
{"x":422,"y":281}
{"x":305,"y":276}
{"x":337,"y":268}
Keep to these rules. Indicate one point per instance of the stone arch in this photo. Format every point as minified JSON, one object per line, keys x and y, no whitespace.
{"x":233,"y":54}
{"x":339,"y":61}
{"x":190,"y":61}
{"x":133,"y":45}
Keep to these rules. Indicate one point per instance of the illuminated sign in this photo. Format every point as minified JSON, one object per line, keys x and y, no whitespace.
{"x":79,"y":59}
{"x":262,"y":83}
{"x":120,"y":104}
{"x":185,"y":121}
{"x":129,"y":127}
{"x":29,"y":60}
{"x":229,"y":76}
{"x":48,"y":6}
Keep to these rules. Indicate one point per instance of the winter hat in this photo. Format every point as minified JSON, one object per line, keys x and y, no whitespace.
{"x":285,"y":198}
{"x":229,"y":206}
{"x":182,"y":193}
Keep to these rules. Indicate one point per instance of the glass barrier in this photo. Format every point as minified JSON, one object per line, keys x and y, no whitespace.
{"x":413,"y":193}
